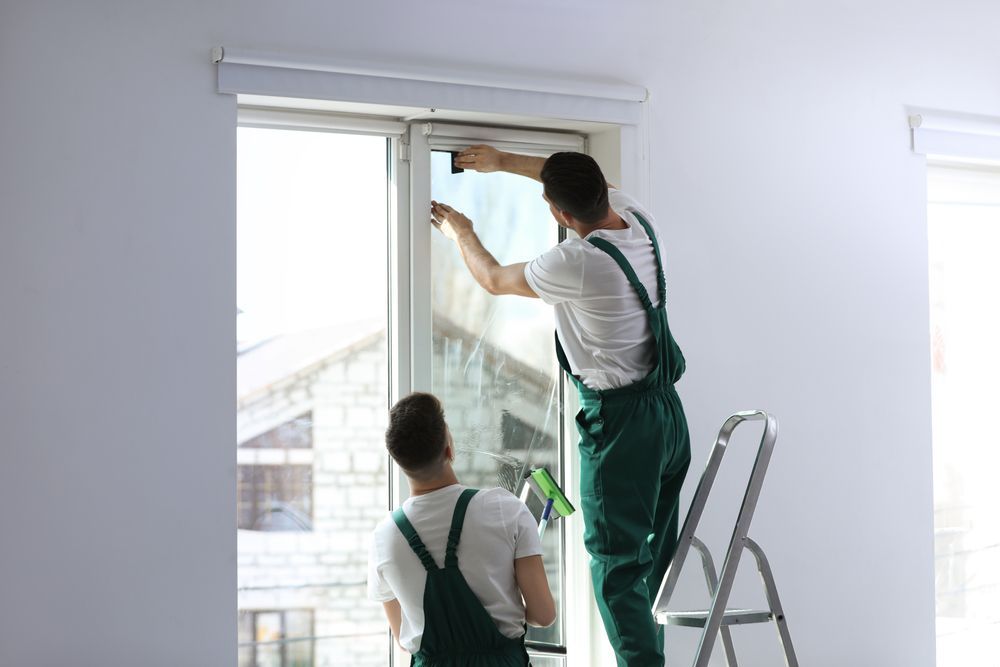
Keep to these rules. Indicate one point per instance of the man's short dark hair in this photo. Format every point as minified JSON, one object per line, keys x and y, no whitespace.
{"x":417,"y":434}
{"x":574,"y":183}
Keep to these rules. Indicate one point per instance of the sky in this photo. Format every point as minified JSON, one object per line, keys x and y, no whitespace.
{"x":311,"y":231}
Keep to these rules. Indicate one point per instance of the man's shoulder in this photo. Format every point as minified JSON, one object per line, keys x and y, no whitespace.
{"x":568,"y":255}
{"x":497,"y":494}
{"x":564,"y":250}
{"x":384,"y":528}
{"x":506,"y":503}
{"x":619,"y":199}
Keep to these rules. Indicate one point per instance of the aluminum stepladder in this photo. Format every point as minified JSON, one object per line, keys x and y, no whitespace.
{"x":717,"y":619}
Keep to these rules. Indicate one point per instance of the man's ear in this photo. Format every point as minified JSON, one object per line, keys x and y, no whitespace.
{"x":449,"y":448}
{"x":568,"y":220}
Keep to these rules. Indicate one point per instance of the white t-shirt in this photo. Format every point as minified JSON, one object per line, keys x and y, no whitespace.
{"x":601,"y":323}
{"x":498,"y":529}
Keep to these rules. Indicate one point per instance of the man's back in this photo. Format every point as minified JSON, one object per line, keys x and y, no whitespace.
{"x":601,"y":322}
{"x":498,"y":529}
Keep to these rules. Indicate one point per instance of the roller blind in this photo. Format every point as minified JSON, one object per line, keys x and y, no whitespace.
{"x":448,"y":137}
{"x":283,"y":75}
{"x":955,"y":135}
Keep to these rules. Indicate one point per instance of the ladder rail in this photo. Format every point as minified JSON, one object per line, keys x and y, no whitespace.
{"x":738,"y":541}
{"x":712,"y":579}
{"x":698,"y":504}
{"x":771,"y":592}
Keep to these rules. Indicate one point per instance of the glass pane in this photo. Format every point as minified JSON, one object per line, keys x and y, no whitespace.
{"x":293,"y":434}
{"x":312,"y":380}
{"x":494,"y":362}
{"x":274,"y":497}
{"x":964,"y":233}
{"x":546,"y":660}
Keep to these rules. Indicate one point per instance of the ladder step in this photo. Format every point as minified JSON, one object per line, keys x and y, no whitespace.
{"x":697,"y":619}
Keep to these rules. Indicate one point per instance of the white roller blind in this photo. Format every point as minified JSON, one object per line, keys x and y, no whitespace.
{"x":955,"y":135}
{"x":281,"y":75}
{"x":306,"y":120}
{"x":448,"y":137}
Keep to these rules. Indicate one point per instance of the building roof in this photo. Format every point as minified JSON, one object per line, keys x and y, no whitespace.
{"x":279,"y":359}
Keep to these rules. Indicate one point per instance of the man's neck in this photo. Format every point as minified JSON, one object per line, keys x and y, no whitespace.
{"x":611,"y":221}
{"x":423,"y":487}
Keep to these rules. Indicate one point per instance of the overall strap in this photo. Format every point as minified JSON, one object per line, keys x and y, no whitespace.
{"x":410,"y":533}
{"x":455,"y":534}
{"x":661,"y":282}
{"x":619,"y":258}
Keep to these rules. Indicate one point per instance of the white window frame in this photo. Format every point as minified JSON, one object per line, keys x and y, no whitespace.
{"x":621,"y":146}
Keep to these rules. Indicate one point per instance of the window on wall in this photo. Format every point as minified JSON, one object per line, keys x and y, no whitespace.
{"x":312,"y":383}
{"x":293,"y":434}
{"x":964,"y":233}
{"x":274,"y":478}
{"x":276,"y":638}
{"x":332,"y":321}
{"x":274,"y":497}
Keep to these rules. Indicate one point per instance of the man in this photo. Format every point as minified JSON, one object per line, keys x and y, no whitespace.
{"x":458,"y":571}
{"x":612,"y":339}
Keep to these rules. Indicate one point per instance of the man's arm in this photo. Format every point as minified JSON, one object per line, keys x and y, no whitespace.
{"x":486,"y":159}
{"x":394,"y":614}
{"x":539,"y":607}
{"x":488,"y":272}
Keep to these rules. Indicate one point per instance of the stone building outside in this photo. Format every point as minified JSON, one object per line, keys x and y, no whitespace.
{"x":313,"y":477}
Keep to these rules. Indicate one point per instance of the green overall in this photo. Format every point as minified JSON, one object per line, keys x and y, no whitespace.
{"x":458,"y":631}
{"x":634,"y":454}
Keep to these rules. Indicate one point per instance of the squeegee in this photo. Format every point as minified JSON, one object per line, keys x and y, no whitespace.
{"x":554,"y":502}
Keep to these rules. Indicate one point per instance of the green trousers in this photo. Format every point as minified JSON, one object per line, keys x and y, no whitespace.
{"x":634,"y":454}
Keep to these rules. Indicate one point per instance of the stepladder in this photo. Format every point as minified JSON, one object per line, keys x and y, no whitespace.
{"x":717,"y":621}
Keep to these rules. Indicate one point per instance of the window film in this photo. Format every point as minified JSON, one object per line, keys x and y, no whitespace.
{"x":494,"y":362}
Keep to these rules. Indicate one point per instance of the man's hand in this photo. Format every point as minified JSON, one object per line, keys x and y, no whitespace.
{"x":450,"y":222}
{"x":481,"y":158}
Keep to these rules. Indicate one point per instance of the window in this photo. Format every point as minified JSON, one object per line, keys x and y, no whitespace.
{"x":273,"y":492}
{"x":964,"y":233}
{"x":276,"y":638}
{"x":274,"y":497}
{"x":345,"y":297}
{"x":294,"y":434}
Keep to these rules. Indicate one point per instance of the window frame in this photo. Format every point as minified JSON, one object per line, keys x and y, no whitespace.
{"x":254,"y":613}
{"x":620,"y":147}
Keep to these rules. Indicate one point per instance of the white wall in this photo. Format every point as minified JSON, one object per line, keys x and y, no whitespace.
{"x":780,"y":158}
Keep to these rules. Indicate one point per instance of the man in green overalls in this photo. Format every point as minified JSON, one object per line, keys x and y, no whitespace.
{"x":458,"y":571}
{"x":612,"y":339}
